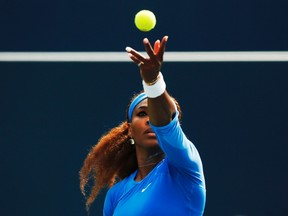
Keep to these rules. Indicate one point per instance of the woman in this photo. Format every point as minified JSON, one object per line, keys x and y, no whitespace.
{"x":159,"y":171}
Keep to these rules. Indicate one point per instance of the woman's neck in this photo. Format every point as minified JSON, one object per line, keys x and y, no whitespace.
{"x":147,"y":163}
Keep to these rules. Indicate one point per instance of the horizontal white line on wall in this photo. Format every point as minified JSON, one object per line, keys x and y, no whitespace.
{"x":238,"y":56}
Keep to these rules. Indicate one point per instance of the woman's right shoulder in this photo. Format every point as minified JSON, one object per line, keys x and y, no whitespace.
{"x":121,"y":186}
{"x":112,"y":197}
{"x":114,"y":194}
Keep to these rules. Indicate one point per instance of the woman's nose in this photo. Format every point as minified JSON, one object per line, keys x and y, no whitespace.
{"x":147,"y":122}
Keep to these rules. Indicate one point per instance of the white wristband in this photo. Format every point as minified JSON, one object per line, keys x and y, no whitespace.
{"x":155,"y":90}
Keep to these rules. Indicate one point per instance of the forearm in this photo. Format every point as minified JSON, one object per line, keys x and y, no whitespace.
{"x":161,"y":109}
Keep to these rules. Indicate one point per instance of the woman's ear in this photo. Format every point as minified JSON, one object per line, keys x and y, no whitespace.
{"x":129,"y":130}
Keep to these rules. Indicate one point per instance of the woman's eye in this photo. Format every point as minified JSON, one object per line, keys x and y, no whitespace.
{"x":142,"y":114}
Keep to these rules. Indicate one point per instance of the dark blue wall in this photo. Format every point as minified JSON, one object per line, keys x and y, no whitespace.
{"x":90,"y":25}
{"x":52,"y":113}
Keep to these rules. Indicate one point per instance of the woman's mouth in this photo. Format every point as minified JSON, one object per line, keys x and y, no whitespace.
{"x":149,"y":131}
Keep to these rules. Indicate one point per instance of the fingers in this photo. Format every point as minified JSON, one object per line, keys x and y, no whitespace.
{"x":156,"y":46}
{"x":148,"y":48}
{"x":162,"y":47}
{"x":155,"y":54}
{"x":135,"y":56}
{"x":159,"y":48}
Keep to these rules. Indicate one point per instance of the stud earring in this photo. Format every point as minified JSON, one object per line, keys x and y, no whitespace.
{"x":132,"y":141}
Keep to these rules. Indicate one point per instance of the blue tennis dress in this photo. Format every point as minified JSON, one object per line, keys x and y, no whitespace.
{"x":175,"y":187}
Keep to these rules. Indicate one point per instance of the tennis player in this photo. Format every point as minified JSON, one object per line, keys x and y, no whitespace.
{"x":149,"y":164}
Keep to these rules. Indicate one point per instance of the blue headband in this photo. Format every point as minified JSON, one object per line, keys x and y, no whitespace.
{"x":134,"y":103}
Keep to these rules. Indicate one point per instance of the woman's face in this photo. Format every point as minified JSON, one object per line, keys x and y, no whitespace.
{"x":140,"y":129}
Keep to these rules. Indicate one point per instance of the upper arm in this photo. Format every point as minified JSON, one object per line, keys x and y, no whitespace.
{"x":180,"y":151}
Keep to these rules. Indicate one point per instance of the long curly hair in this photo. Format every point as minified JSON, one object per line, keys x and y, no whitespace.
{"x":111,"y":159}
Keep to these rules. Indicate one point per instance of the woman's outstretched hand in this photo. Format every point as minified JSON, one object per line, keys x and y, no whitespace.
{"x":149,"y":66}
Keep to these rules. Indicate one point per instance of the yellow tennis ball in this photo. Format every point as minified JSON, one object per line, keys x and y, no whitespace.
{"x":145,"y":20}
